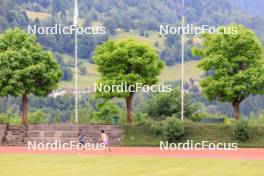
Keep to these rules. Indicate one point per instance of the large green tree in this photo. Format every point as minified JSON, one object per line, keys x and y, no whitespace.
{"x":25,"y":68}
{"x":234,"y":64}
{"x":127,"y":62}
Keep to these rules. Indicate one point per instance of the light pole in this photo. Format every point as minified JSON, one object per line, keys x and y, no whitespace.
{"x":75,"y":23}
{"x":182,"y":62}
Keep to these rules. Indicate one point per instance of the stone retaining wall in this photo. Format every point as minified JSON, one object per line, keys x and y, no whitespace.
{"x":2,"y":132}
{"x":68,"y":132}
{"x":46,"y":133}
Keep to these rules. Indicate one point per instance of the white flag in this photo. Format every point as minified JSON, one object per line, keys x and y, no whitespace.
{"x":76,"y":14}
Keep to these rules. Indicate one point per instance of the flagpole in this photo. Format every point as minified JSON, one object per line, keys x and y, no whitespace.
{"x":75,"y":22}
{"x":182,"y":64}
{"x":76,"y":79}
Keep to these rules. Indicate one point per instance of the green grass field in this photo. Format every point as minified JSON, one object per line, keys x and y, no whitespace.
{"x":174,"y":73}
{"x":62,"y":165}
{"x":97,"y":24}
{"x":40,"y":15}
{"x":84,"y":81}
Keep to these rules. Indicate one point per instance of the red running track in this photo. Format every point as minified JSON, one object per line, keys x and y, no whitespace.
{"x":241,"y":154}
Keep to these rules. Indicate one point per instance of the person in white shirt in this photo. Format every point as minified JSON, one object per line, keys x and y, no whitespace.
{"x":105,"y":140}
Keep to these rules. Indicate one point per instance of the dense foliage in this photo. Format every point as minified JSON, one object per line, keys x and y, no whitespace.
{"x":235,"y":64}
{"x":163,"y":105}
{"x":174,"y":130}
{"x":25,"y":68}
{"x":129,"y":63}
{"x":141,"y":15}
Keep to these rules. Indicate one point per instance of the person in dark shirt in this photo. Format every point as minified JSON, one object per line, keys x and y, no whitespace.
{"x":81,"y":137}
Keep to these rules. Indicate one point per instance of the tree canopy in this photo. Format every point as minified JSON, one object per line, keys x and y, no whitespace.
{"x":167,"y":104}
{"x":235,"y":66}
{"x":127,"y":62}
{"x":25,"y":68}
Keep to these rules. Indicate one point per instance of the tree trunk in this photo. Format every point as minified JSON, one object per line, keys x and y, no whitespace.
{"x":24,"y":108}
{"x":129,"y":108}
{"x":236,"y":106}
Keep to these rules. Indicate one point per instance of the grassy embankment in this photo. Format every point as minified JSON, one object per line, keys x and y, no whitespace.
{"x":142,"y":135}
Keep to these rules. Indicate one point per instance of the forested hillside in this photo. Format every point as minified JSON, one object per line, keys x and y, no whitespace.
{"x":123,"y":16}
{"x":253,"y":7}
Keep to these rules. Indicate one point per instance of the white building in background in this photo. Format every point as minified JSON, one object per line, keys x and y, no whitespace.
{"x":63,"y":91}
{"x":58,"y":92}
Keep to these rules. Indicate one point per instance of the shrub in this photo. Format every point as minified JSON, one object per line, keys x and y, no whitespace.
{"x":36,"y":117}
{"x":3,"y":118}
{"x":10,"y":117}
{"x":167,"y":104}
{"x":107,"y":111}
{"x":198,"y":117}
{"x":229,"y":121}
{"x":256,"y":119}
{"x":157,"y":128}
{"x":141,"y":118}
{"x":174,"y":129}
{"x":241,"y":130}
{"x":16,"y":120}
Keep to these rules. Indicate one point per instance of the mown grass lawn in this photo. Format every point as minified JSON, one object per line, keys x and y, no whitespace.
{"x":40,"y":15}
{"x":174,"y":73}
{"x":62,"y":165}
{"x":84,"y":81}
